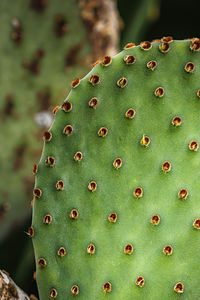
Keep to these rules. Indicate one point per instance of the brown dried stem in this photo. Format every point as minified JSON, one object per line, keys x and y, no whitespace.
{"x":103,"y":24}
{"x":9,"y":290}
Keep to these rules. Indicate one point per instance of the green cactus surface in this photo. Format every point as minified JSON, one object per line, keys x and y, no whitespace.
{"x":41,"y":42}
{"x":116,"y":210}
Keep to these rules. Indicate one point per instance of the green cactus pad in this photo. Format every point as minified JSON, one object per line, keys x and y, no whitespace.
{"x":117,"y":216}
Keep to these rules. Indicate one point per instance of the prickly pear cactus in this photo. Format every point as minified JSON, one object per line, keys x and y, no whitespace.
{"x":116,"y":199}
{"x":41,"y":42}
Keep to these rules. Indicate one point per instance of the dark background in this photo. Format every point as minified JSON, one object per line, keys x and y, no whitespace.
{"x":178,"y":18}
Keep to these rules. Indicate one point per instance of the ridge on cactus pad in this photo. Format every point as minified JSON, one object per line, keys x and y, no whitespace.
{"x":117,"y":213}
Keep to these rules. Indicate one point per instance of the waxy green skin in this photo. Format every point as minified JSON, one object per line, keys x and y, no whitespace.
{"x":19,"y":130}
{"x":141,"y":166}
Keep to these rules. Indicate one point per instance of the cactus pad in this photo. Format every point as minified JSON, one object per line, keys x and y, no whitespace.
{"x":117,"y":213}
